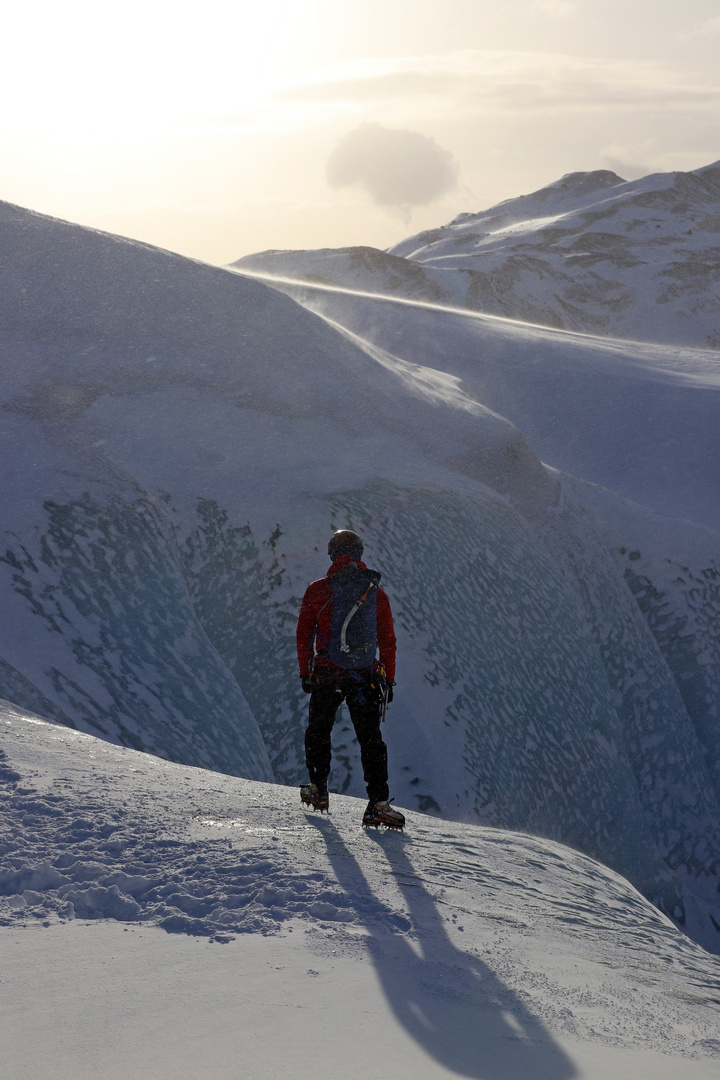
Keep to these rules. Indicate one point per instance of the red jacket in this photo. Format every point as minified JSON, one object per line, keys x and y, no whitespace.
{"x":316,"y":610}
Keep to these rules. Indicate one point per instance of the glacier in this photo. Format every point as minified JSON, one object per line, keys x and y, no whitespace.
{"x":179,"y":441}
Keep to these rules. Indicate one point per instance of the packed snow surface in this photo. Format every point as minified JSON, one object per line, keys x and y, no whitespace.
{"x":297,"y":944}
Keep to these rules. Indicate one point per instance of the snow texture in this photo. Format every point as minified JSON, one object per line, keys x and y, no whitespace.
{"x":448,"y":950}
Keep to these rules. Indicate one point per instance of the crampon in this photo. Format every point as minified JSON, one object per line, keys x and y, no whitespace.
{"x":310,"y":795}
{"x":382,"y":813}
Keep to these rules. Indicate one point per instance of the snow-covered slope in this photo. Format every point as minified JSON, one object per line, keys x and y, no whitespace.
{"x":636,"y":418}
{"x":590,"y":252}
{"x":448,"y":950}
{"x":178,"y":443}
{"x":638,"y":423}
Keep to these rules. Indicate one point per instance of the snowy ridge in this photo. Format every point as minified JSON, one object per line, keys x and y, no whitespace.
{"x":544,"y":948}
{"x":590,"y":252}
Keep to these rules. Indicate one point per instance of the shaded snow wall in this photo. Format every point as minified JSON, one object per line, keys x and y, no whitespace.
{"x":520,"y":703}
{"x":109,"y":635}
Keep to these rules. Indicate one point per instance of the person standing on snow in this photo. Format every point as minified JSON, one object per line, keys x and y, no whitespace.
{"x":344,"y":618}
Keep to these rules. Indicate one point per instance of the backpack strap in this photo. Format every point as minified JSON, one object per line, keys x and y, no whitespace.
{"x":317,"y":631}
{"x":344,"y":647}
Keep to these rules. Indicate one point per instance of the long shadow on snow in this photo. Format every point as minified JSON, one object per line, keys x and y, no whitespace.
{"x":450,"y":1002}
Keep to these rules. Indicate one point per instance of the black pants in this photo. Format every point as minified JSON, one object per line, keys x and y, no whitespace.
{"x":364,"y":707}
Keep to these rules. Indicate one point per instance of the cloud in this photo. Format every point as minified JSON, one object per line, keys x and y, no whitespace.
{"x":708,"y":28}
{"x":622,"y":160}
{"x":483,"y":82}
{"x":398,"y":169}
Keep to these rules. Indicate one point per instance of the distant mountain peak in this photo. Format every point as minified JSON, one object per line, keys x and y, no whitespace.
{"x":583,"y":182}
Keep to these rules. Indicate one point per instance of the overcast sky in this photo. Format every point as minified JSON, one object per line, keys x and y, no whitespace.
{"x":223,"y":127}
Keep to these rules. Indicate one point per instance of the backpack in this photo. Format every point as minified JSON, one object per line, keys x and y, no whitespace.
{"x":353,"y":626}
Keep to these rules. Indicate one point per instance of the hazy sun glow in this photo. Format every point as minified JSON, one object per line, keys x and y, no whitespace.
{"x":141,"y":64}
{"x":207,"y":127}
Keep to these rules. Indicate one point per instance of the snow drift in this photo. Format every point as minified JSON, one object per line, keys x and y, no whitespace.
{"x":449,"y":950}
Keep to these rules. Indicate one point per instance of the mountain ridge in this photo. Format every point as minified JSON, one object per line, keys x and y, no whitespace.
{"x":634,"y":259}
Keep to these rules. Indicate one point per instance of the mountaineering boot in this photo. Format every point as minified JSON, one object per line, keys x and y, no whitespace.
{"x":311,"y":795}
{"x":382,"y":813}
